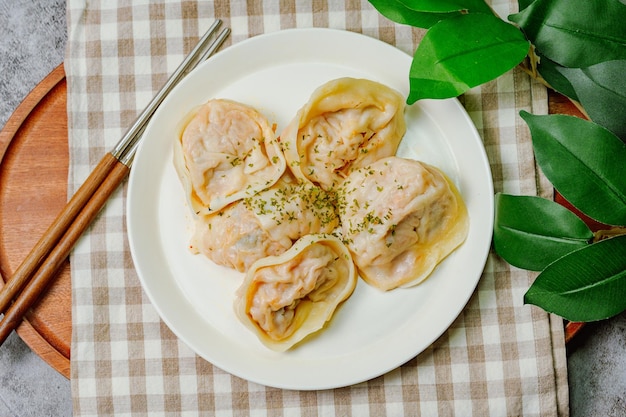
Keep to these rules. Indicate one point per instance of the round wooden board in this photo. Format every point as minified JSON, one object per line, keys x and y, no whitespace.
{"x":33,"y":189}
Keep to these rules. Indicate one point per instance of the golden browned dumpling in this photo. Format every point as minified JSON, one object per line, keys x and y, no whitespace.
{"x":347,"y":123}
{"x":264,"y":224}
{"x":400,"y":218}
{"x":226,"y":151}
{"x":285,"y":298}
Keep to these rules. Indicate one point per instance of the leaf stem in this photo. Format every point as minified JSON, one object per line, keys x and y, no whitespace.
{"x":529,"y":66}
{"x":609,"y":233}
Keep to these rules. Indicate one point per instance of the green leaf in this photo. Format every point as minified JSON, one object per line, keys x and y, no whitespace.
{"x":426,"y":13}
{"x":465,"y":6}
{"x":576,"y":33}
{"x":397,"y":12}
{"x":586,"y":285}
{"x":532,"y":232}
{"x":522,"y":4}
{"x":462,"y":52}
{"x":601,"y":90}
{"x":550,"y":71}
{"x":584,"y":162}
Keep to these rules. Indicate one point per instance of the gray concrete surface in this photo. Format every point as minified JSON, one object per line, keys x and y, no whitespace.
{"x":597,"y":369}
{"x":32,"y":43}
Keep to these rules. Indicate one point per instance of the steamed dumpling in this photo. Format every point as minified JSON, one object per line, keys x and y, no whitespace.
{"x":226,"y":151}
{"x":264,"y":224}
{"x":347,"y":123}
{"x":400,"y":218}
{"x":284,"y":299}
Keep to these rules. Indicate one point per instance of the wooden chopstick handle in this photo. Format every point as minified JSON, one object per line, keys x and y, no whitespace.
{"x":50,"y":238}
{"x":40,"y":280}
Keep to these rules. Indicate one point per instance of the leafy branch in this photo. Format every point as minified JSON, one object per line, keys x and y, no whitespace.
{"x":577,"y":48}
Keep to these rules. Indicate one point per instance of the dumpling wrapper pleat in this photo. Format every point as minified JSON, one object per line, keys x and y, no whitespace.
{"x":400,"y":218}
{"x":264,"y":224}
{"x":286,"y":298}
{"x":347,"y":123}
{"x":226,"y":151}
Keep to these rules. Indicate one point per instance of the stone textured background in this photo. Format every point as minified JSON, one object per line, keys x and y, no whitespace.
{"x":32,"y":43}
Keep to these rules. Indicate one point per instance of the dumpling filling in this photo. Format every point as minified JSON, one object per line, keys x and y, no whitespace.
{"x":281,"y":288}
{"x":226,"y":151}
{"x":286,"y":298}
{"x":264,"y":224}
{"x":400,"y":218}
{"x":347,"y":123}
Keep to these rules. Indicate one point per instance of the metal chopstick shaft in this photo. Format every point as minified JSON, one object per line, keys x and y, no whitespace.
{"x":188,"y":63}
{"x":127,"y":154}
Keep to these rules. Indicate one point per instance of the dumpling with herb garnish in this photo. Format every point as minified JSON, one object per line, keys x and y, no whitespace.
{"x":264,"y":224}
{"x":226,"y":151}
{"x":286,"y":298}
{"x":400,"y":218}
{"x":347,"y":123}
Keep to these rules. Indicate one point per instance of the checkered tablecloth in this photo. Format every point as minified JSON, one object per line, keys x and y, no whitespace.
{"x":499,"y":358}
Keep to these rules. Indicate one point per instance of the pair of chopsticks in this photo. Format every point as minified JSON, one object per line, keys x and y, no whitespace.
{"x":34,"y":274}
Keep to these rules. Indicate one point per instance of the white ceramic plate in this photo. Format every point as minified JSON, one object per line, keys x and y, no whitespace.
{"x":373,"y":332}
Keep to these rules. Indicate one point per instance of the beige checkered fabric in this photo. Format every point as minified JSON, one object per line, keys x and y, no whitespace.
{"x":499,"y":358}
